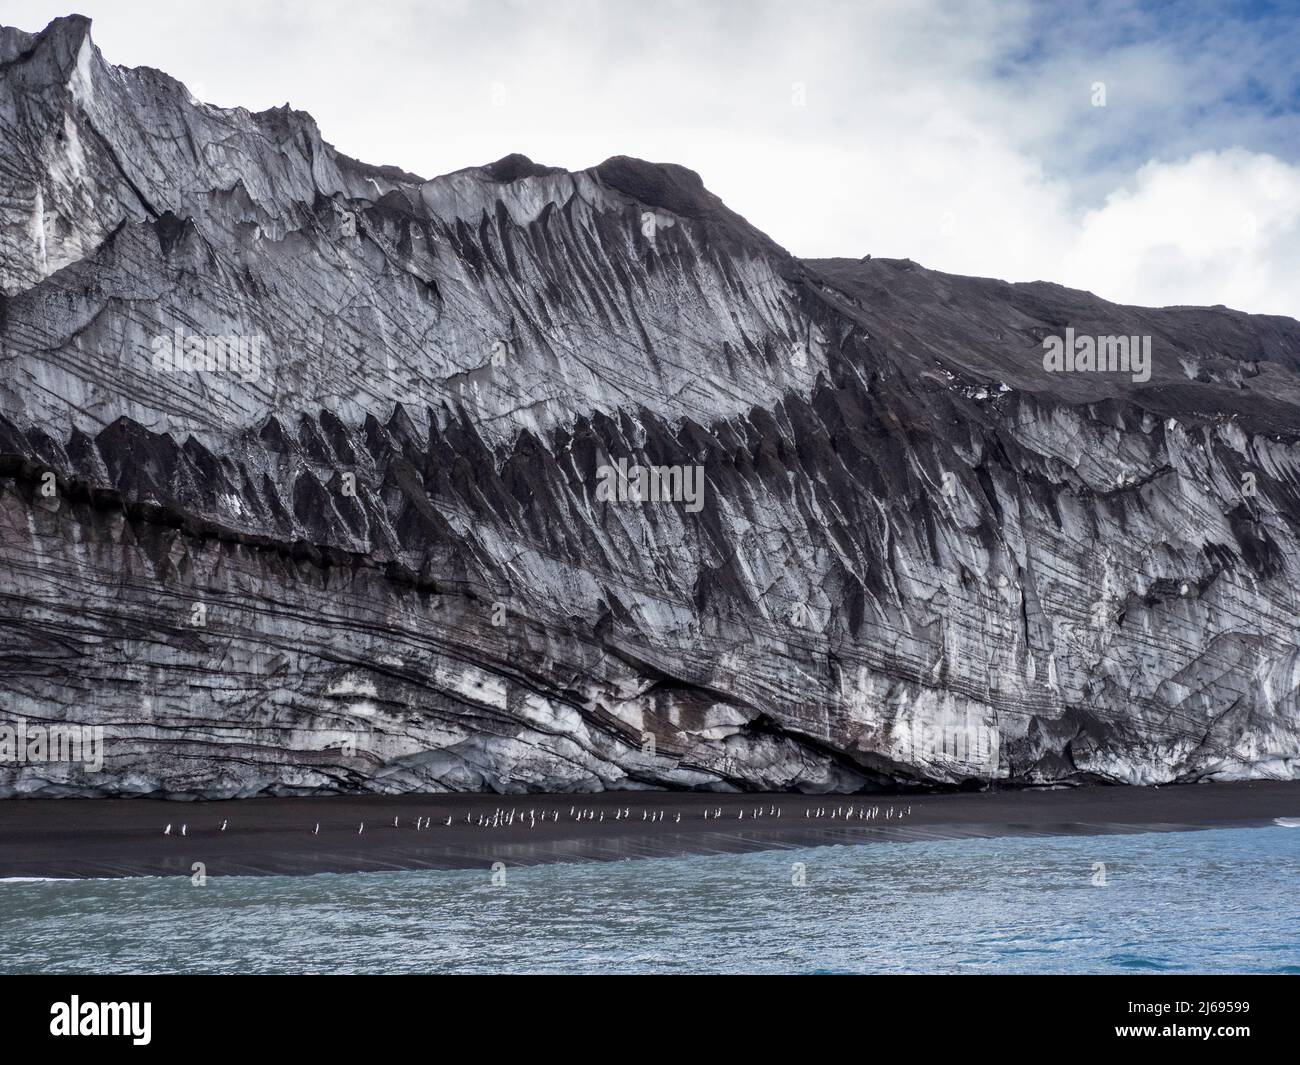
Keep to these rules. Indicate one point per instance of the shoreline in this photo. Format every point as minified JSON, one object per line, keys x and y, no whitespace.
{"x":110,"y":838}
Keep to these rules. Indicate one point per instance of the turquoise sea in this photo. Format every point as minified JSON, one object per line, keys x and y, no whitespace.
{"x":1223,"y":900}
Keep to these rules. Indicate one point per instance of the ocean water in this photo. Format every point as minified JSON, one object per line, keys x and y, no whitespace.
{"x":1223,"y":900}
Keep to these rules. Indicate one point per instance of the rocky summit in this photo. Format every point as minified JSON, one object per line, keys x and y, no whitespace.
{"x":319,"y":476}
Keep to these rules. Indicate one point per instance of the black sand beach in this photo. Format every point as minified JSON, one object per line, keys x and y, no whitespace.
{"x":279,"y":836}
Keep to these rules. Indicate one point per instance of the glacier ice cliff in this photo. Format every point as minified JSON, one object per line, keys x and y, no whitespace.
{"x":373,"y":557}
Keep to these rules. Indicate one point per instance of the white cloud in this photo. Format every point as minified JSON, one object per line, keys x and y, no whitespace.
{"x":1219,"y":227}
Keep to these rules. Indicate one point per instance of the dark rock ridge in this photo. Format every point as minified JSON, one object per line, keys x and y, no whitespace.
{"x":375,"y":559}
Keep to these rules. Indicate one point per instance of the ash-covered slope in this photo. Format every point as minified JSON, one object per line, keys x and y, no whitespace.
{"x":373,"y":556}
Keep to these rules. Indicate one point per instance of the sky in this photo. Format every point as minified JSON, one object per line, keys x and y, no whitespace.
{"x":1147,"y":152}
